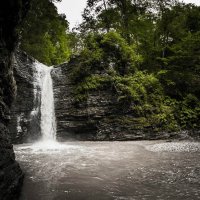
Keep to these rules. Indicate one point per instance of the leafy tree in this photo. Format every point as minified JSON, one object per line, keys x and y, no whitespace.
{"x":44,"y":33}
{"x":146,"y":51}
{"x":181,"y":60}
{"x":149,"y":52}
{"x":108,"y":52}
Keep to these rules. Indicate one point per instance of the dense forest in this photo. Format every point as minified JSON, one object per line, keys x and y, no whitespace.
{"x":147,"y":51}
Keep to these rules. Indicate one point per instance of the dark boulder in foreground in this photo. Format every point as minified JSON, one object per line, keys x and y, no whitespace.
{"x":11,"y":176}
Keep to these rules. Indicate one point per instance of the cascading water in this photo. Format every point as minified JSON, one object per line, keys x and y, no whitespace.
{"x":102,"y":170}
{"x":44,"y":84}
{"x":48,"y":122}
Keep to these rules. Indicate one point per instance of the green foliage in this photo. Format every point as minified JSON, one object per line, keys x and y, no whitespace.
{"x":138,"y":87}
{"x":151,"y":62}
{"x":144,"y":93}
{"x":44,"y":33}
{"x":119,"y":52}
{"x":108,"y":52}
{"x":91,"y":83}
{"x":149,"y":59}
{"x":188,"y":112}
{"x":146,"y":52}
{"x":182,"y":66}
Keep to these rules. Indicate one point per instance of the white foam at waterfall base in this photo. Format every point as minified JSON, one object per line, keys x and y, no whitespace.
{"x":43,"y":80}
{"x":47,"y":146}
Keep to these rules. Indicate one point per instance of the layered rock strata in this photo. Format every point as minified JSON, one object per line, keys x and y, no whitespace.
{"x":100,"y":117}
{"x":24,"y":125}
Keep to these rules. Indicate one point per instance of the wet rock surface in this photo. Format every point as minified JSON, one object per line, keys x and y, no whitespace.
{"x":81,"y":121}
{"x":24,"y":125}
{"x":11,"y":176}
{"x":110,"y":170}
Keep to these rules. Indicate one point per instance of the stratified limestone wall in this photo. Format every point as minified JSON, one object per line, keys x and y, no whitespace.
{"x":11,"y":176}
{"x":83,"y":121}
{"x":24,"y":125}
{"x":100,"y":117}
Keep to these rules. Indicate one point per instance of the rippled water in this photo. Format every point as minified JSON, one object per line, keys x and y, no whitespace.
{"x":146,"y":170}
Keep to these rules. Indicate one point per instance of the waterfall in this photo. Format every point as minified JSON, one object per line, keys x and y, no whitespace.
{"x":48,"y":120}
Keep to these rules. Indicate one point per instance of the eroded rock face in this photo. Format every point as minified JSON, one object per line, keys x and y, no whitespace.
{"x":82,"y":121}
{"x":98,"y":118}
{"x":24,"y":125}
{"x":11,"y":176}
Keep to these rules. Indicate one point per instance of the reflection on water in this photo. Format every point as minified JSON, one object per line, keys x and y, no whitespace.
{"x":146,"y":170}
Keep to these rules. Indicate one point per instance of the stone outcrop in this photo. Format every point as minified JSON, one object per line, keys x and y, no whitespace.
{"x":82,"y":121}
{"x":100,"y":117}
{"x":97,"y":118}
{"x":24,"y":125}
{"x":11,"y":176}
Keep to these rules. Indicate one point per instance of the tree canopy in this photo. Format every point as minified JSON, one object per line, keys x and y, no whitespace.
{"x":45,"y":33}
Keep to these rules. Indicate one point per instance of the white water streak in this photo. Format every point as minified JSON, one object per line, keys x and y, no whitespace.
{"x":48,"y":121}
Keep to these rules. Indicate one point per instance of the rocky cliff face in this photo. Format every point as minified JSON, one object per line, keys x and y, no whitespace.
{"x":97,"y":118}
{"x":100,"y":117}
{"x":24,"y":125}
{"x":11,"y":176}
{"x":82,"y":121}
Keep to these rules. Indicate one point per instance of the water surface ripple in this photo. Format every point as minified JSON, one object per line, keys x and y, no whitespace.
{"x":143,"y":170}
